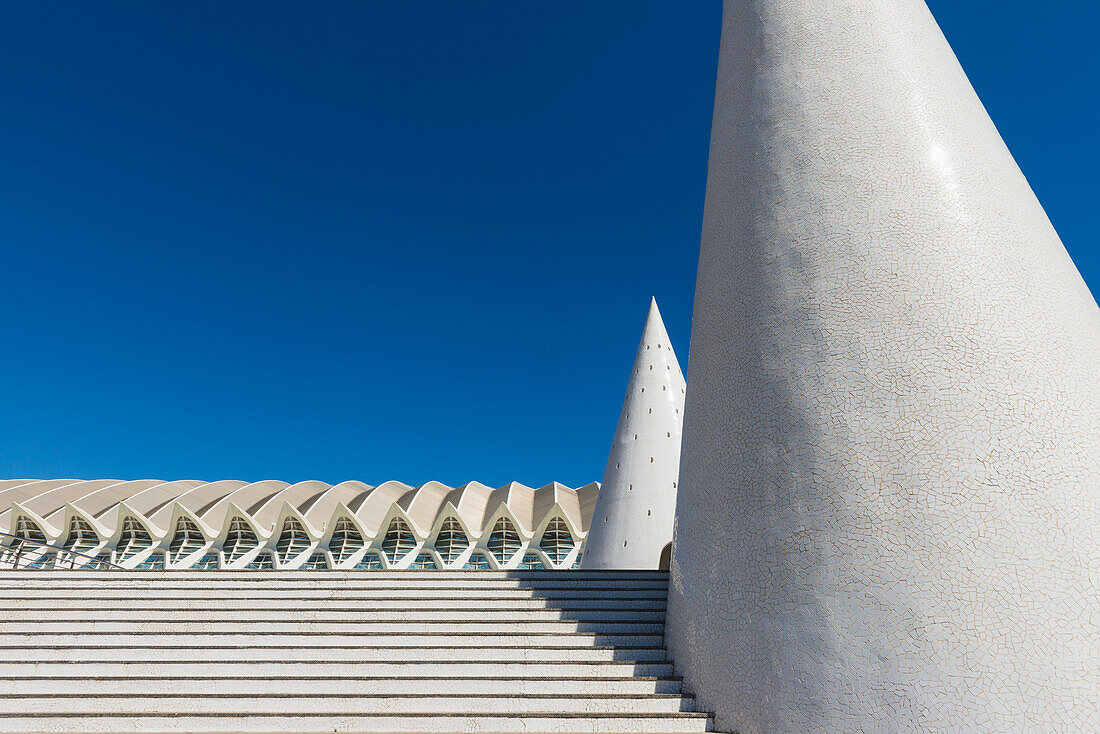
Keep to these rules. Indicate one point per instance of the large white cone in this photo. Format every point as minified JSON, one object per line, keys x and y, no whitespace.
{"x":632,"y":522}
{"x":889,"y":513}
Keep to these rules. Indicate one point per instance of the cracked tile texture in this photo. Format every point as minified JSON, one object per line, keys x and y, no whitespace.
{"x":888,"y":516}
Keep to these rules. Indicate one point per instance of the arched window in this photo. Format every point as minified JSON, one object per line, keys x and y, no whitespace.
{"x":556,"y":542}
{"x":451,"y":541}
{"x":316,"y":562}
{"x":370,"y":561}
{"x":27,"y":528}
{"x":102,"y":562}
{"x":263,"y":561}
{"x":423,"y":562}
{"x":532,"y":562}
{"x":152,"y":562}
{"x":186,"y":540}
{"x":239,"y":540}
{"x":82,"y":538}
{"x":26,"y":545}
{"x":345,"y":540}
{"x":43,"y":561}
{"x":292,"y":542}
{"x":477,"y":562}
{"x":134,"y":539}
{"x":209,"y":562}
{"x":399,"y":540}
{"x":504,"y":541}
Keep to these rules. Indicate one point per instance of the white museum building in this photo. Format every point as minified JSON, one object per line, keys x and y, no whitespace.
{"x":154,"y":525}
{"x":883,"y":515}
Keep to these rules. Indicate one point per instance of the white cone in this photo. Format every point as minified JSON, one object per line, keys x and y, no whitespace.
{"x":889,"y":514}
{"x":632,"y":522}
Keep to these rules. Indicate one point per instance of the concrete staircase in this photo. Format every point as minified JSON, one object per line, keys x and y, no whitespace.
{"x":359,"y":651}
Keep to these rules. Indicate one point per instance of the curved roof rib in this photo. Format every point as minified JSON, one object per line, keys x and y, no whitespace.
{"x":378,"y":502}
{"x":196,"y":498}
{"x":320,"y":510}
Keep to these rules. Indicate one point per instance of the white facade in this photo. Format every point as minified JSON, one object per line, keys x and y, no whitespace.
{"x":632,"y":522}
{"x":889,"y":509}
{"x":149,"y":524}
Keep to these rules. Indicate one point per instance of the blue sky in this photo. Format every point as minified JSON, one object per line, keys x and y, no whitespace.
{"x":403,"y":241}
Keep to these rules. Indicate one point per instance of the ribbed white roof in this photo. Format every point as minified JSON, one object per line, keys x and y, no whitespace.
{"x":264,"y":502}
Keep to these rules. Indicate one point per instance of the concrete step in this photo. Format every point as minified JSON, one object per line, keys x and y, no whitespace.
{"x":393,"y":578}
{"x":130,"y":580}
{"x":396,"y":723}
{"x":331,"y":627}
{"x":71,"y":616}
{"x":490,"y":625}
{"x":45,"y":592}
{"x":77,"y":666}
{"x":69,"y":685}
{"x":219,"y":651}
{"x":354,"y":703}
{"x":199,"y":635}
{"x":336,"y":602}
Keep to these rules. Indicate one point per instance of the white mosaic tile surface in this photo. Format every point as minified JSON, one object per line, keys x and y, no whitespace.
{"x":889,"y":507}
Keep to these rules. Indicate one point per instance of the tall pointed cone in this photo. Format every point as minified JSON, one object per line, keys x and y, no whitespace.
{"x":632,"y":522}
{"x":889,"y":513}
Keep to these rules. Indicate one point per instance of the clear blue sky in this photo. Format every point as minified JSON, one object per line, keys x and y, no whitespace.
{"x":403,"y":241}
